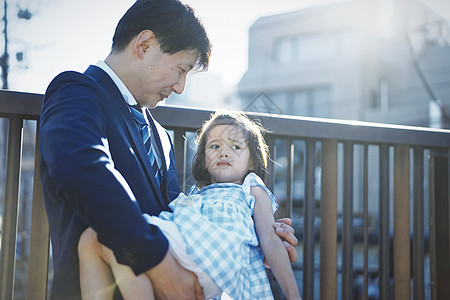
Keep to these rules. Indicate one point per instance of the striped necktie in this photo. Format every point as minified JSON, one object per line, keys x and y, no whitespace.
{"x":145,"y":131}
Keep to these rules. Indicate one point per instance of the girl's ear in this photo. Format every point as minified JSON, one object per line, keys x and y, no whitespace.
{"x":251,"y":165}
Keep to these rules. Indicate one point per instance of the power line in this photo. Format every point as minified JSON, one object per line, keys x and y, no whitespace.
{"x":426,"y":85}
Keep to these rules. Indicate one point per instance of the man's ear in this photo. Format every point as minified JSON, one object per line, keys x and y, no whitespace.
{"x":144,"y":41}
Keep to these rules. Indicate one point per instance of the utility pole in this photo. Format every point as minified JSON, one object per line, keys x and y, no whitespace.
{"x":3,"y":122}
{"x":4,"y":59}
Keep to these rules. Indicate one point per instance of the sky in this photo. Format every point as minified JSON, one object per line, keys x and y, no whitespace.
{"x":72,"y":34}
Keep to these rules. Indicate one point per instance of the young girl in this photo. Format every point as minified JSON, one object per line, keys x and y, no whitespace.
{"x":216,"y":230}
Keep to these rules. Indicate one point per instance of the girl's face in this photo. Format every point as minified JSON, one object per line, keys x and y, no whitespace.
{"x":227,"y":157}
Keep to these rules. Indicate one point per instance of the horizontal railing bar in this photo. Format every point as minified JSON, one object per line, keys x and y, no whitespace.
{"x":26,"y":104}
{"x":304,"y":127}
{"x":29,"y":105}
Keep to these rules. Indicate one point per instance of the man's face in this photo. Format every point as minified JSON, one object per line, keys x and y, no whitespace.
{"x":159,"y":74}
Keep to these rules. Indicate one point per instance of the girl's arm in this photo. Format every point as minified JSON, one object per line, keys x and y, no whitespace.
{"x":271,"y":245}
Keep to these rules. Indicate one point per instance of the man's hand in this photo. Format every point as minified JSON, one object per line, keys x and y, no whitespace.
{"x":284,"y":230}
{"x":171,"y":281}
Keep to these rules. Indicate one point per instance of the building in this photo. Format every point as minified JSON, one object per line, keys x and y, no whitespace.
{"x":384,"y":61}
{"x":368,"y":60}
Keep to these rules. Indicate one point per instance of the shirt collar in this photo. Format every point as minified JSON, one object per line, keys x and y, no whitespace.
{"x":120,"y":85}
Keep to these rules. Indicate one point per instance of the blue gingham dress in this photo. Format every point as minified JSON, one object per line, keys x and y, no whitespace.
{"x":217,"y":226}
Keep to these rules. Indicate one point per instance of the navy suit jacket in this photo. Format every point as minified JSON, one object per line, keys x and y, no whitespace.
{"x":95,"y":173}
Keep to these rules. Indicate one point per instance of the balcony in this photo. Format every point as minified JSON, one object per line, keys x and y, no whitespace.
{"x":369,"y":202}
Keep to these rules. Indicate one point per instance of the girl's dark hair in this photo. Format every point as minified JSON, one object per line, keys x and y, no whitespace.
{"x":174,"y":24}
{"x":253,"y":133}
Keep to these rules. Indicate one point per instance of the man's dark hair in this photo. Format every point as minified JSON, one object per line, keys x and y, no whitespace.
{"x":174,"y":24}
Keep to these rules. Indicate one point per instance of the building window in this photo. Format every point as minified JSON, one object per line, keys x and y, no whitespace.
{"x":283,"y":52}
{"x":315,"y":47}
{"x":305,"y":48}
{"x":435,"y":115}
{"x":384,"y":95}
{"x":310,"y":102}
{"x":347,"y":44}
{"x":380,"y":99}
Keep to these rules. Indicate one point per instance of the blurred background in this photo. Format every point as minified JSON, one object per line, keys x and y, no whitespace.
{"x":370,"y":60}
{"x":384,"y":61}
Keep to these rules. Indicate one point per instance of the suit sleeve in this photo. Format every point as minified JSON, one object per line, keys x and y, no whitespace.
{"x":75,"y":147}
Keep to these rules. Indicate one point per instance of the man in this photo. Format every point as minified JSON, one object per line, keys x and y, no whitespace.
{"x":95,"y":168}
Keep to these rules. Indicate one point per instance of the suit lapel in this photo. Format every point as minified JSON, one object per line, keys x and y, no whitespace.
{"x":141,"y":153}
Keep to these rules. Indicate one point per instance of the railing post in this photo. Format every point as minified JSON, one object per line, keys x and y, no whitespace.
{"x":9,"y":230}
{"x":290,"y":177}
{"x":384,"y":263}
{"x":39,"y":238}
{"x":440,"y":226}
{"x":364,"y":295}
{"x":347,"y":224}
{"x":309,"y":238}
{"x":418,"y":245}
{"x":270,"y":176}
{"x":180,"y":145}
{"x":328,"y":224}
{"x":402,"y":273}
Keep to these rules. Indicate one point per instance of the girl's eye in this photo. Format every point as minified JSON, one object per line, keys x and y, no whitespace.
{"x":236,"y":147}
{"x":214,"y":146}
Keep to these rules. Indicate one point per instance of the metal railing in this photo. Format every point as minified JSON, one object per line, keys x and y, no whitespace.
{"x":369,"y":202}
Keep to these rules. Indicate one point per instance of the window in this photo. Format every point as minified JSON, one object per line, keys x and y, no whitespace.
{"x":380,"y":98}
{"x":315,"y":47}
{"x":283,"y":50}
{"x":310,"y":102}
{"x":305,"y":48}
